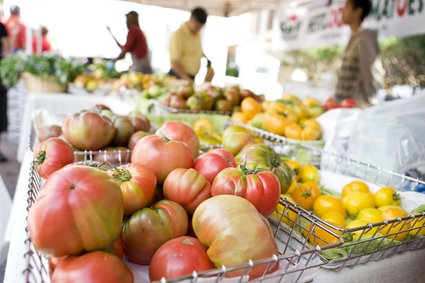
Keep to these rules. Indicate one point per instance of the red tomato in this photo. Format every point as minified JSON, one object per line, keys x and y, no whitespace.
{"x":179,"y":257}
{"x":149,"y":228}
{"x":135,"y":137}
{"x":93,"y":267}
{"x":79,"y":208}
{"x":179,"y":131}
{"x":211,"y":163}
{"x":88,"y":130}
{"x":52,"y":155}
{"x":349,"y":103}
{"x":137,"y":183}
{"x":261,"y":189}
{"x":331,"y":103}
{"x":187,"y":187}
{"x":234,"y":232}
{"x":162,"y":155}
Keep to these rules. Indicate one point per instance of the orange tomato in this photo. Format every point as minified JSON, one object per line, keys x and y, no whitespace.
{"x":397,"y":230}
{"x":251,"y":107}
{"x":296,"y":167}
{"x":326,"y":203}
{"x":239,"y":117}
{"x":354,"y":187}
{"x":281,"y":109}
{"x":311,"y":102}
{"x":275,"y":123}
{"x":296,"y":105}
{"x":322,"y":237}
{"x":305,"y":194}
{"x":306,"y":130}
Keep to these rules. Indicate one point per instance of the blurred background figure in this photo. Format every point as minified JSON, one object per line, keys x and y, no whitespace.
{"x":361,"y":73}
{"x":4,"y":50}
{"x":45,"y":43}
{"x":136,"y":44}
{"x":16,"y":29}
{"x":185,"y":47}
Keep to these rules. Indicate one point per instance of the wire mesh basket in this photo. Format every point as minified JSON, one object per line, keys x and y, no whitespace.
{"x":296,"y":254}
{"x":366,"y":243}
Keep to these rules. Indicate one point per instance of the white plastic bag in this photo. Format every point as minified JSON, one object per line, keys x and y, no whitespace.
{"x":392,"y":136}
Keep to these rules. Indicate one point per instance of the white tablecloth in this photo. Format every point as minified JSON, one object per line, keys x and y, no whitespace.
{"x":61,"y":104}
{"x":5,"y":206}
{"x":405,"y":267}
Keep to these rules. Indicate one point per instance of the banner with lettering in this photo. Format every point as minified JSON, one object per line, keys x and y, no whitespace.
{"x":306,"y":27}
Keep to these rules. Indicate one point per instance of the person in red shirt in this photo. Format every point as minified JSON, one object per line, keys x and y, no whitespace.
{"x":136,"y":44}
{"x":16,"y":29}
{"x":45,"y":44}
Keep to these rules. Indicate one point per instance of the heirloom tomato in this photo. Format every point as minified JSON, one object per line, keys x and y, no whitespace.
{"x":234,"y":232}
{"x":260,"y":156}
{"x":186,"y":187}
{"x":78,"y":209}
{"x":306,"y":130}
{"x":275,"y":123}
{"x":149,"y":228}
{"x":179,"y":257}
{"x":262,"y":189}
{"x":251,"y":107}
{"x":179,"y":131}
{"x":309,"y":173}
{"x":93,"y":267}
{"x":212,"y":162}
{"x":322,"y":236}
{"x":162,"y":155}
{"x":123,"y":130}
{"x":137,"y":183}
{"x":296,"y":167}
{"x":235,"y":138}
{"x":88,"y":130}
{"x":51,"y":155}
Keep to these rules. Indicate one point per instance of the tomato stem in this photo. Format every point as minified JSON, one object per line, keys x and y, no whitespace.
{"x":40,"y":157}
{"x":121,"y":175}
{"x":167,"y":139}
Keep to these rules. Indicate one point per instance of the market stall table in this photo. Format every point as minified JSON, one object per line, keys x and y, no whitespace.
{"x":404,"y":267}
{"x":61,"y":104}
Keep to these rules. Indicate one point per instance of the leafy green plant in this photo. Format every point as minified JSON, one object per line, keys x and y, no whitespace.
{"x":47,"y":65}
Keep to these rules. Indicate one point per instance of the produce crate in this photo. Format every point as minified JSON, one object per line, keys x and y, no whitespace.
{"x":296,"y":256}
{"x":365,"y":248}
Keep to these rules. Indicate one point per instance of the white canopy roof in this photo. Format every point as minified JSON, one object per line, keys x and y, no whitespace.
{"x":216,"y":7}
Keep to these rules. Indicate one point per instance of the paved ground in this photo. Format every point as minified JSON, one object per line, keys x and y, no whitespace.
{"x":9,"y":170}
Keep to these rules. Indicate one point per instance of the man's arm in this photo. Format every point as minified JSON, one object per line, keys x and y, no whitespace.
{"x":178,"y":69}
{"x":129,"y":44}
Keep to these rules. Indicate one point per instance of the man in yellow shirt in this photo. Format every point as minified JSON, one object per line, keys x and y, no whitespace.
{"x":186,"y":48}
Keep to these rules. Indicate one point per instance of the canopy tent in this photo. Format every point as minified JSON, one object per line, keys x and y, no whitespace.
{"x":224,"y":8}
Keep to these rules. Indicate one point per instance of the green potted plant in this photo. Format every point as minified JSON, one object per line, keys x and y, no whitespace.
{"x":41,"y":73}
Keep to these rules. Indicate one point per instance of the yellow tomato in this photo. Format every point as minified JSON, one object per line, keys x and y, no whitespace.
{"x":418,"y":225}
{"x":357,"y":201}
{"x":327,"y":203}
{"x":370,"y":215}
{"x":334,"y":218}
{"x":239,"y":117}
{"x":266,"y":105}
{"x":311,"y":102}
{"x":354,"y":187}
{"x":204,"y":125}
{"x":275,"y":123}
{"x":296,"y":167}
{"x":283,"y":214}
{"x":305,"y":130}
{"x":251,"y":107}
{"x":395,"y":230}
{"x":387,"y":196}
{"x":305,"y":194}
{"x":309,"y":173}
{"x":362,"y":232}
{"x":280,"y":108}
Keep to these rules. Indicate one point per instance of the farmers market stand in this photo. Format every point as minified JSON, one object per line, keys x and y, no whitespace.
{"x":404,"y":267}
{"x":61,"y":104}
